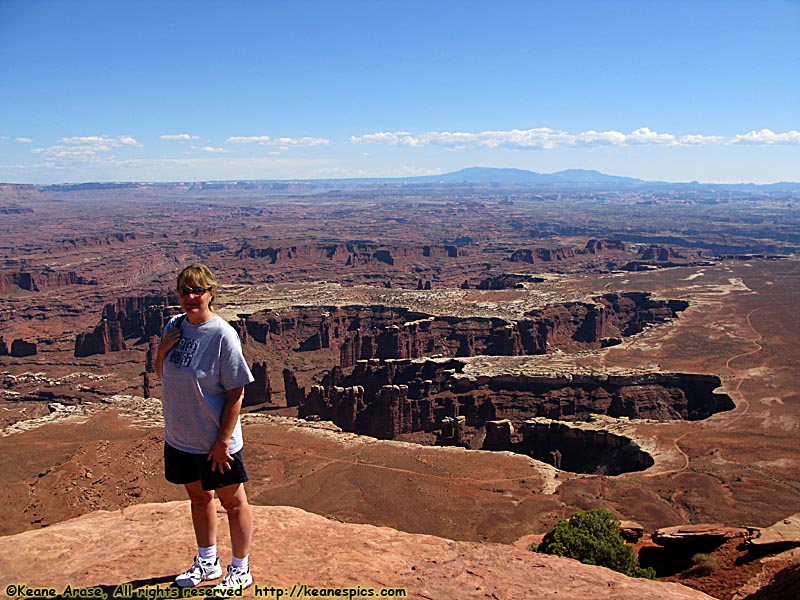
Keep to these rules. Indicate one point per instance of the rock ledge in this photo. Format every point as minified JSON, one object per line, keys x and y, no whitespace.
{"x":146,"y":544}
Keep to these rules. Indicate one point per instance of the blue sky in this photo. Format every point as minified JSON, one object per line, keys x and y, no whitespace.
{"x":174,"y":90}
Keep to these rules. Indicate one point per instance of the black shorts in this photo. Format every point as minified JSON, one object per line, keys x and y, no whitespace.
{"x":184,"y":467}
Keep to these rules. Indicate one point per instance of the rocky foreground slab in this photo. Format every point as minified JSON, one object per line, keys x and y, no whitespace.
{"x":785,"y":532}
{"x":147,"y":544}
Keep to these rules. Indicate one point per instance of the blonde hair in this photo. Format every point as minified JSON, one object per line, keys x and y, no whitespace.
{"x":197,"y":275}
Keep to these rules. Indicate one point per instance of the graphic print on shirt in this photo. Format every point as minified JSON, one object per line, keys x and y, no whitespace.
{"x":183,"y":352}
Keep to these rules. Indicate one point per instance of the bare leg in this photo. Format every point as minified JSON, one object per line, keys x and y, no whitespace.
{"x":204,"y":517}
{"x":240,"y":517}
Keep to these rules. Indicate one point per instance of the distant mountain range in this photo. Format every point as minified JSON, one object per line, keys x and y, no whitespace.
{"x":495,"y":175}
{"x":487,"y":175}
{"x":569,"y":179}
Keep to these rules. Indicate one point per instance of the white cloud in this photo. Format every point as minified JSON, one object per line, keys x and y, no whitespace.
{"x":447,"y":139}
{"x":600,"y":138}
{"x":547,"y":138}
{"x":767,"y":136}
{"x":86,"y":139}
{"x":258,"y":139}
{"x":179,"y":137}
{"x":60,"y":151}
{"x":85,"y":147}
{"x":212,"y":149}
{"x":381,"y":137}
{"x":701,"y":140}
{"x":24,"y":140}
{"x":284,"y":143}
{"x":100,"y":140}
{"x":536,"y":138}
{"x":643,"y":135}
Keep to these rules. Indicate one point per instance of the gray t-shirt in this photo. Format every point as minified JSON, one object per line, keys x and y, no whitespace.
{"x":205,"y":362}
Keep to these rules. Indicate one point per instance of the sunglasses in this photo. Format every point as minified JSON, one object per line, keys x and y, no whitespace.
{"x":197,"y":291}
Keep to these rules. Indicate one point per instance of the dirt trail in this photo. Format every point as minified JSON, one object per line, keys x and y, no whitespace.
{"x":742,"y":406}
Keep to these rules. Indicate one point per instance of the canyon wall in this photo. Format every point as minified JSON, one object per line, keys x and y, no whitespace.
{"x":536,"y":255}
{"x":106,"y":337}
{"x":136,"y":318}
{"x":387,"y":398}
{"x":21,"y":348}
{"x":37,"y":282}
{"x":349,"y":254}
{"x":580,"y":449}
{"x":366,"y":332}
{"x":260,"y":390}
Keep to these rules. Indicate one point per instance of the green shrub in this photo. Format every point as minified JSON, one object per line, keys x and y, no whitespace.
{"x":593,"y":538}
{"x":704,"y":564}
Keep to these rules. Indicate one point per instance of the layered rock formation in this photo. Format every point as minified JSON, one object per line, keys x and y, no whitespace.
{"x":699,"y":537}
{"x":406,"y":259}
{"x":390,"y":398}
{"x":342,"y":404}
{"x":499,"y":435}
{"x":505,"y":281}
{"x":783,"y":534}
{"x":294,"y":393}
{"x":21,"y":348}
{"x":366,"y":332}
{"x":92,"y":241}
{"x":349,"y":254}
{"x":658,"y":256}
{"x":37,"y":282}
{"x":783,"y":585}
{"x":403,"y":396}
{"x":536,"y":255}
{"x":106,"y":337}
{"x":260,"y":390}
{"x":599,"y":246}
{"x":127,"y":318}
{"x":660,"y":253}
{"x":579,"y":449}
{"x":11,"y":193}
{"x":140,"y":316}
{"x":658,"y":396}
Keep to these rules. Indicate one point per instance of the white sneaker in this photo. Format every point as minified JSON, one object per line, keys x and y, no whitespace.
{"x":236,"y":579}
{"x":201,"y":570}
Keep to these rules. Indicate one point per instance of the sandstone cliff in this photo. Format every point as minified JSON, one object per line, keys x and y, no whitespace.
{"x":106,"y":337}
{"x":365,"y":332}
{"x":37,"y":282}
{"x":138,"y":318}
{"x":536,"y":255}
{"x":348,"y":254}
{"x":260,"y":390}
{"x":389,"y":398}
{"x":147,"y":544}
{"x":20,"y":348}
{"x":127,"y":318}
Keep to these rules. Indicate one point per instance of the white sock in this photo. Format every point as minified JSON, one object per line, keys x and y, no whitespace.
{"x":208,"y":554}
{"x":241,"y":563}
